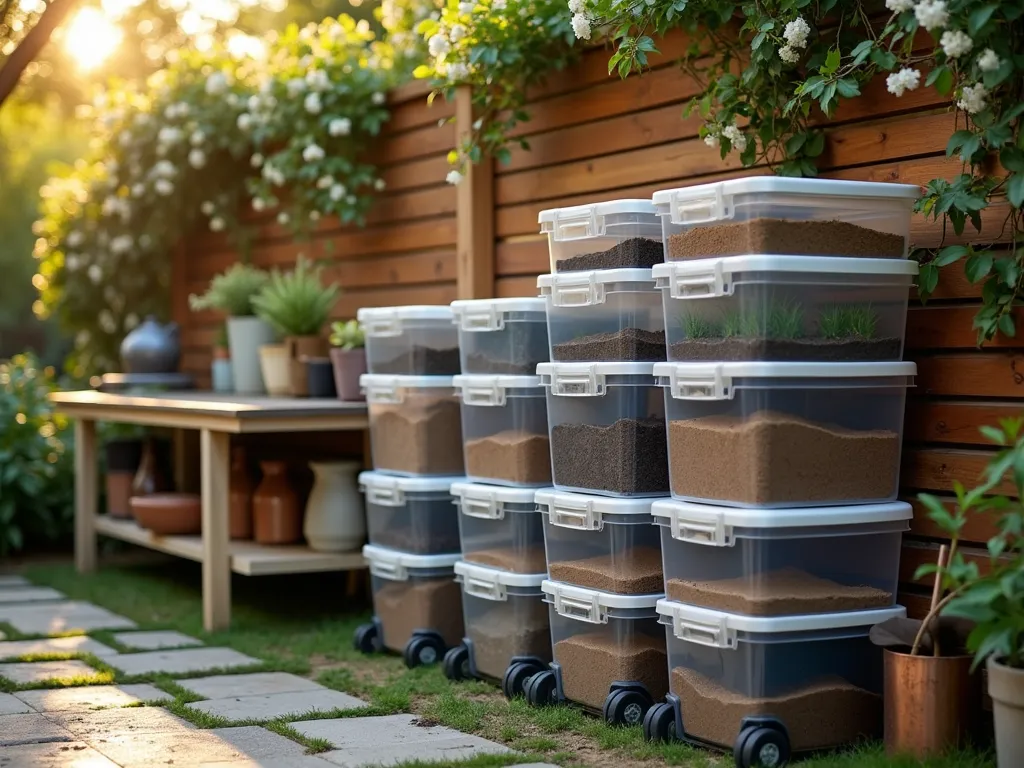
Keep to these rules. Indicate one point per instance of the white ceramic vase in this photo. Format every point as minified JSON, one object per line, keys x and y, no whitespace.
{"x":275,"y":366}
{"x":335,"y":519}
{"x":245,"y":337}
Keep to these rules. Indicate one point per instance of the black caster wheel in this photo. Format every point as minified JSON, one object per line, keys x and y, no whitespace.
{"x":761,"y":748}
{"x":516,"y":677}
{"x":456,"y":663}
{"x":660,"y":723}
{"x":422,"y":651}
{"x":541,"y":689}
{"x":626,"y":708}
{"x":366,"y":639}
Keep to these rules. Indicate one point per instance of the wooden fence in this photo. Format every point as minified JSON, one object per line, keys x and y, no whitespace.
{"x":591,"y":138}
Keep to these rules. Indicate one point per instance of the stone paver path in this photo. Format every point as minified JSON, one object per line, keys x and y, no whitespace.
{"x":12,"y":705}
{"x":13,"y":580}
{"x":74,"y":644}
{"x":154,"y":641}
{"x":41,"y":671}
{"x":30,"y":729}
{"x":90,"y":697}
{"x":57,"y":617}
{"x":29,"y":595}
{"x":253,"y":684}
{"x":180,"y":662}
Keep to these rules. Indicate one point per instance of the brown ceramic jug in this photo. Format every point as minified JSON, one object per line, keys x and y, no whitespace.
{"x":150,"y":476}
{"x":240,"y":497}
{"x":277,"y":516}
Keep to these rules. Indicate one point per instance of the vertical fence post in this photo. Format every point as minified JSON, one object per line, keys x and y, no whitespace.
{"x":474,"y":214}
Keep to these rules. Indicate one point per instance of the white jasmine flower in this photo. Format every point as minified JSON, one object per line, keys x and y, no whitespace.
{"x":498,"y":5}
{"x":124,"y":139}
{"x":351,"y":199}
{"x":72,"y":262}
{"x":107,"y":322}
{"x":207,"y":207}
{"x":789,"y":54}
{"x":138,"y":190}
{"x":457,"y":32}
{"x":577,"y":6}
{"x":216,"y":83}
{"x":581,"y":26}
{"x":453,"y":177}
{"x":379,"y":185}
{"x":233,"y":100}
{"x":988,"y":61}
{"x":254,"y":103}
{"x":163,"y":187}
{"x":313,"y":153}
{"x":735,"y":137}
{"x":438,"y":45}
{"x":312,"y":103}
{"x":244,"y":121}
{"x":318,"y":79}
{"x":711,"y":140}
{"x":131,"y":320}
{"x":259,"y":204}
{"x":75,"y":238}
{"x":95,"y":273}
{"x":295,"y":86}
{"x":216,"y":224}
{"x":972,"y":98}
{"x":932,"y":14}
{"x":121,"y":244}
{"x":337,"y":192}
{"x":907,"y":79}
{"x":466,"y":7}
{"x":164,"y":168}
{"x":340,"y":126}
{"x":283,"y":218}
{"x":197,"y":158}
{"x":378,"y":98}
{"x":169,"y":135}
{"x":256,"y":160}
{"x":324,"y":182}
{"x":955,"y":43}
{"x":899,"y":6}
{"x":314,"y":215}
{"x":457,"y":71}
{"x":796,"y":33}
{"x":197,"y":138}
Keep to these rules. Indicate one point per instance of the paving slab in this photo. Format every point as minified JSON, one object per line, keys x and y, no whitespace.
{"x":441,"y":751}
{"x":30,"y":594}
{"x":180,"y":662}
{"x":40,"y":671}
{"x":260,"y":748}
{"x":252,"y":684}
{"x":90,"y":697}
{"x":13,"y":580}
{"x":73,"y":754}
{"x":57,"y":617}
{"x":106,"y":723}
{"x":74,"y":644}
{"x":155,"y":641}
{"x":278,"y":705}
{"x":30,"y":729}
{"x":12,"y":705}
{"x":174,"y":749}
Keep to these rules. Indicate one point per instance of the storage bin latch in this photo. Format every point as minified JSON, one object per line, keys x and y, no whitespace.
{"x":384,"y":394}
{"x":483,"y":319}
{"x":714,"y":634}
{"x":483,"y":394}
{"x":389,"y":571}
{"x":576,"y":225}
{"x":702,"y":384}
{"x":712,"y":532}
{"x":486,"y":509}
{"x":385,"y":497}
{"x":687,"y":210}
{"x":584,"y":383}
{"x":568,"y":290}
{"x":488,"y":589}
{"x":382,"y":326}
{"x":583,"y":517}
{"x":694,"y":285}
{"x":579,"y":608}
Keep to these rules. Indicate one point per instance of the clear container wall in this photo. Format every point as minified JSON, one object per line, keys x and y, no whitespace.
{"x":795,"y":317}
{"x":624,"y":558}
{"x":419,"y":348}
{"x":513,"y":542}
{"x":827,"y":692}
{"x":788,"y":571}
{"x":629,"y":325}
{"x":425,"y":524}
{"x":793,"y":443}
{"x":793,"y":224}
{"x":433,"y":603}
{"x":593,"y":656}
{"x":502,"y":629}
{"x":613,"y":444}
{"x":421,"y":435}
{"x":514,"y":349}
{"x":629,"y":240}
{"x":508,"y":444}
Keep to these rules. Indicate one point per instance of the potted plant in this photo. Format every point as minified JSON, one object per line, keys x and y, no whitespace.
{"x":220,"y":367}
{"x":232,"y":292}
{"x":122,"y":451}
{"x":348,"y":356}
{"x":297,"y":305}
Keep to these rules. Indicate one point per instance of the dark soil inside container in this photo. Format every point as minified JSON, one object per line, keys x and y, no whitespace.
{"x":526,"y":559}
{"x":514,"y":351}
{"x":825,"y":713}
{"x":408,"y":539}
{"x":796,"y":350}
{"x":478,"y":362}
{"x":592,"y":662}
{"x":422,"y":361}
{"x":786,"y":591}
{"x":770,"y":458}
{"x":627,"y":457}
{"x":635,"y":571}
{"x":632,"y":344}
{"x":637,"y":252}
{"x":513,"y":455}
{"x":785,"y":236}
{"x":501,"y":633}
{"x":421,"y":436}
{"x":405,"y":606}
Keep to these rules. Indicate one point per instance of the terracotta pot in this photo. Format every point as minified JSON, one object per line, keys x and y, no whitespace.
{"x":169,"y":514}
{"x":335,"y":521}
{"x":349,"y":365}
{"x":240,"y":497}
{"x":1006,"y":687}
{"x":151,"y":476}
{"x":123,"y":456}
{"x":277,"y":516}
{"x":932,"y":703}
{"x":299,"y":348}
{"x":119,"y":494}
{"x":274,"y":367}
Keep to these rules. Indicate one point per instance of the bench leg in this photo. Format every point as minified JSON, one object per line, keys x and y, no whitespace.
{"x":215,"y":451}
{"x":85,"y":495}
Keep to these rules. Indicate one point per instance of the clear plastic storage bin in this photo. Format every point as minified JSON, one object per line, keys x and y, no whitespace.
{"x":617,"y":233}
{"x":819,"y":677}
{"x":505,"y":618}
{"x":601,"y":543}
{"x":599,"y":639}
{"x":500,"y":527}
{"x":413,"y":514}
{"x":786,"y":308}
{"x":415,"y":424}
{"x":785,"y":434}
{"x":776,"y":562}
{"x":607,"y":425}
{"x":505,"y":429}
{"x":410,"y":341}
{"x":415,"y":595}
{"x":502,"y":336}
{"x":772,"y":214}
{"x":613,"y":314}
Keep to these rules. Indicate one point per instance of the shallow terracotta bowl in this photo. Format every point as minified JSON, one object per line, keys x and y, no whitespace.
{"x":167,"y":514}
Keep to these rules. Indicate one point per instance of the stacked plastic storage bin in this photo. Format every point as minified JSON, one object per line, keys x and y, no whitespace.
{"x":416,"y":444}
{"x":609,"y":460}
{"x":785,"y":305}
{"x":505,"y":441}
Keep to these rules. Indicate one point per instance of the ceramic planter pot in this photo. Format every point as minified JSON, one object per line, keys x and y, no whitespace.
{"x":221,"y":375}
{"x":932,"y":703}
{"x":1006,"y":687}
{"x":277,"y":517}
{"x":274,"y":365}
{"x":349,"y":365}
{"x":335,"y":521}
{"x":239,"y":496}
{"x":123,"y":457}
{"x":245,"y":337}
{"x":320,"y":377}
{"x":169,"y":514}
{"x":300,"y":348}
{"x":153,"y":474}
{"x":151,"y":348}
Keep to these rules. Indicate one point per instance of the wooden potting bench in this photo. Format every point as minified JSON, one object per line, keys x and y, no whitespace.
{"x":216,"y":417}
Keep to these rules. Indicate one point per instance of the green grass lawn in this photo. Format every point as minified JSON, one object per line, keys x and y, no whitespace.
{"x":300,"y":624}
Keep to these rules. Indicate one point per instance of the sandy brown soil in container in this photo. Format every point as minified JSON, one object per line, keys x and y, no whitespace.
{"x":508,"y":630}
{"x":592,"y":662}
{"x":404,"y":606}
{"x":420,"y":436}
{"x":793,"y":350}
{"x":636,"y":571}
{"x":515,"y":559}
{"x":825,"y":713}
{"x":777,"y":593}
{"x":512,"y":455}
{"x":769,"y":457}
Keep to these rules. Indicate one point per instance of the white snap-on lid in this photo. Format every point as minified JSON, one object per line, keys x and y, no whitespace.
{"x":490,"y":314}
{"x":592,"y":605}
{"x":586,"y":512}
{"x":579,"y":222}
{"x":586,"y":288}
{"x":705,"y":626}
{"x":390,"y":490}
{"x":390,"y":388}
{"x":589,"y":379}
{"x":715,"y":526}
{"x":491,"y":583}
{"x":395,"y":565}
{"x":392,"y":321}
{"x":491,"y":501}
{"x":490,"y":389}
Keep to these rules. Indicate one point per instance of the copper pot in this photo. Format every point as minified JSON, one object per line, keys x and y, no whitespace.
{"x":300,"y":347}
{"x":932,"y":703}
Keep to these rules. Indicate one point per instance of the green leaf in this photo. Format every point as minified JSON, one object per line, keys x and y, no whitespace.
{"x":794,"y":143}
{"x":979,"y":18}
{"x":815,"y":144}
{"x":950,"y":254}
{"x":956,"y":141}
{"x":848,"y":88}
{"x":1015,"y":190}
{"x":831,"y":62}
{"x":1007,"y":326}
{"x":994,"y":434}
{"x":978,"y":266}
{"x":927,"y":279}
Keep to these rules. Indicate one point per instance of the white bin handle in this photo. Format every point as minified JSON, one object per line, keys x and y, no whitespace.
{"x":383,"y":326}
{"x":575,"y":291}
{"x":707,"y":383}
{"x":585,"y":383}
{"x":700,"y":210}
{"x":487,"y":589}
{"x":712,"y":532}
{"x":487,"y":394}
{"x":699,"y":285}
{"x":485,"y":509}
{"x":389,"y":571}
{"x":385,"y":497}
{"x":384,"y":394}
{"x":580,"y":608}
{"x":713,"y":634}
{"x":575,"y":226}
{"x":580,"y":518}
{"x":482,"y":319}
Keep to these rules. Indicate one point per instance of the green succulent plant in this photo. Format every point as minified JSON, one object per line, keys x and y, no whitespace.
{"x":296,"y":303}
{"x":232,"y":291}
{"x":348,"y":335}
